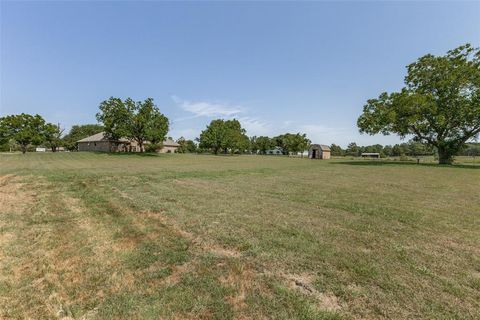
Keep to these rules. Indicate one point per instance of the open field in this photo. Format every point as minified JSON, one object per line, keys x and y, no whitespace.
{"x":99,"y":236}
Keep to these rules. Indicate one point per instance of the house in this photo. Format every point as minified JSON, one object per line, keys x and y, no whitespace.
{"x":169,"y":146}
{"x":101,"y":143}
{"x":373,"y":155}
{"x":319,"y":151}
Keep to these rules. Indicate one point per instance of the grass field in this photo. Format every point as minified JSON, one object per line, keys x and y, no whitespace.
{"x":99,"y":236}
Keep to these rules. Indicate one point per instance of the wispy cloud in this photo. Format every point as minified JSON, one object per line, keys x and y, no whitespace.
{"x":208,"y":109}
{"x":187,"y":133}
{"x":258,"y":126}
{"x":255,"y":126}
{"x":323,"y":134}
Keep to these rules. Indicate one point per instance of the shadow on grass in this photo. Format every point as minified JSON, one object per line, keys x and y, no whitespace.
{"x":130,"y":154}
{"x":404,"y":163}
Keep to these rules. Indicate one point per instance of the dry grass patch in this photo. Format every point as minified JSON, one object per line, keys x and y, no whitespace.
{"x":243,"y":280}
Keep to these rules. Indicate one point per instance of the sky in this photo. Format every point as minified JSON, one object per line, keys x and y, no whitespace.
{"x":276,"y":66}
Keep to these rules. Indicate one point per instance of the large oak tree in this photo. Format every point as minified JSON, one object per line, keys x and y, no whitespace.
{"x":141,"y":121}
{"x":439,"y":105}
{"x":24,"y":129}
{"x":224,"y":135}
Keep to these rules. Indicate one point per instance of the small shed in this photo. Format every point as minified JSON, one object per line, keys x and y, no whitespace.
{"x":373,"y":155}
{"x":319,"y":151}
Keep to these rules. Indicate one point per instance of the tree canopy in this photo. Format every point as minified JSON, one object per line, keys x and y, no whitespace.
{"x":264,"y":143}
{"x":224,"y":135}
{"x":186,"y":146}
{"x":53,"y":136}
{"x":292,"y":143}
{"x":78,"y":132}
{"x":336,"y":150}
{"x":139,"y":121}
{"x":24,"y":129}
{"x":439,"y":105}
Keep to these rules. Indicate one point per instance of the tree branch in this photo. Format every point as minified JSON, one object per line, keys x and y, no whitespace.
{"x":421,"y":136}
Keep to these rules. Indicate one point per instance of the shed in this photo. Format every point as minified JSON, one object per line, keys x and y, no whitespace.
{"x":374,"y":155}
{"x":319,"y":151}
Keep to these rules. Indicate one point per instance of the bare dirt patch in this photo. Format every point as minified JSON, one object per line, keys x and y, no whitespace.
{"x":197,"y":242}
{"x":122,"y":194}
{"x":303,"y":283}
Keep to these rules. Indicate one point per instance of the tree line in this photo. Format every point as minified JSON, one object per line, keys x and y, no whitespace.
{"x":411,"y":148}
{"x":439,"y":106}
{"x":139,"y":121}
{"x":228,"y":136}
{"x":21,"y":132}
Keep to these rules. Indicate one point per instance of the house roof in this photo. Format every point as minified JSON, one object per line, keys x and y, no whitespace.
{"x":98,"y":137}
{"x":322,"y":147}
{"x":170,"y":143}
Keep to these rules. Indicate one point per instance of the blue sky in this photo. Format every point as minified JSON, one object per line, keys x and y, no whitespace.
{"x":276,"y":66}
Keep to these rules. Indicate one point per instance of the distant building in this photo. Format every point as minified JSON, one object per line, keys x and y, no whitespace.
{"x":169,"y":146}
{"x":374,"y":155}
{"x":101,"y":143}
{"x":40,"y":149}
{"x":275,"y":151}
{"x":319,"y":151}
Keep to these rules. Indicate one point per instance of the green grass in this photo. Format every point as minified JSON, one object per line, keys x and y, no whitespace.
{"x":129,"y":236}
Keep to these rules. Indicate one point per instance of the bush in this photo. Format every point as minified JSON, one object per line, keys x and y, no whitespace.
{"x":153,"y":147}
{"x":4,"y":147}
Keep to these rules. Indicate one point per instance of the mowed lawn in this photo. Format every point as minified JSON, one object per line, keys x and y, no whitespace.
{"x":127,"y":236}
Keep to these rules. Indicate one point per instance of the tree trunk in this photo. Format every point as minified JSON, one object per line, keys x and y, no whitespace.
{"x":445,"y":156}
{"x":24,"y":149}
{"x":54,"y":149}
{"x":140,"y":144}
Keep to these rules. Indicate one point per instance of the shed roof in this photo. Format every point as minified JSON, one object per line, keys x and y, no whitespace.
{"x":322,"y":147}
